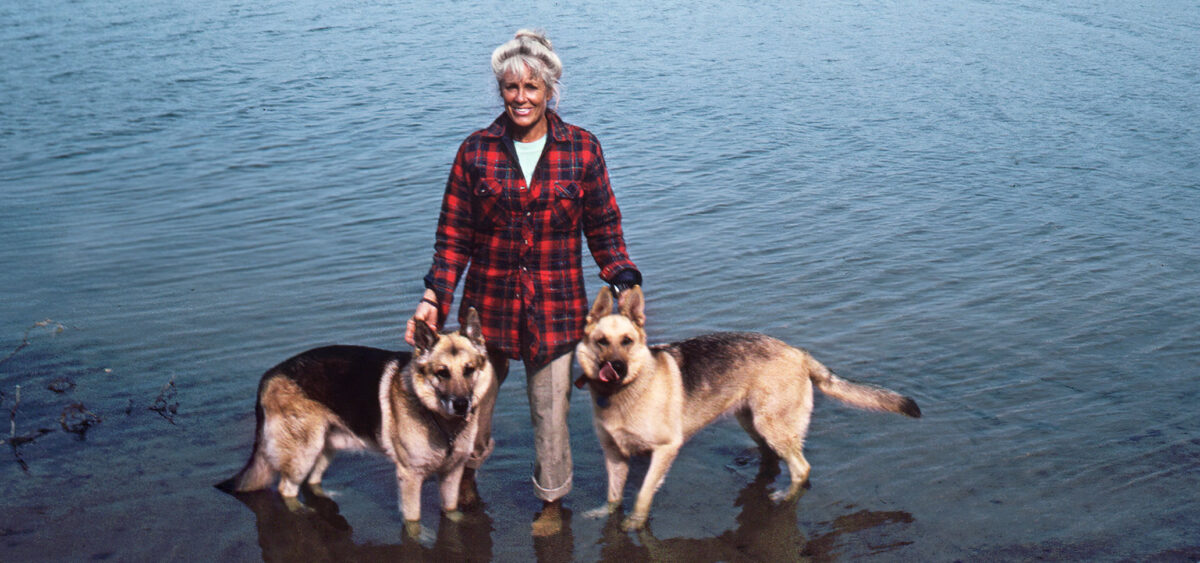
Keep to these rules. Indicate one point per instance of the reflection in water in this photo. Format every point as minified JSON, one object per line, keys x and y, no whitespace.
{"x":324,"y":535}
{"x":559,"y":547}
{"x":766,"y":531}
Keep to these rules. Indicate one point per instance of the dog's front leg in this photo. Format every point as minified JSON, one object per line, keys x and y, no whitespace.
{"x":660,"y":461}
{"x":448,"y":484}
{"x":617,"y":467}
{"x":409,"y":486}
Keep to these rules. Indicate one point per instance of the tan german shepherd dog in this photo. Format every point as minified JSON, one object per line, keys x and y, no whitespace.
{"x":417,"y":408}
{"x":650,"y":400}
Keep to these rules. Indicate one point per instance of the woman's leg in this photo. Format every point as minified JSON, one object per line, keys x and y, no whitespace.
{"x":549,"y":389}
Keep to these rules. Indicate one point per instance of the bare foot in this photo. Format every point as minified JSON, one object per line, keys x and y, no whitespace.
{"x":550,"y":520}
{"x":468,"y":493}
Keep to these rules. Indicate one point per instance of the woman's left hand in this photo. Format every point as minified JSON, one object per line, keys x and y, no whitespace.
{"x":426,"y":313}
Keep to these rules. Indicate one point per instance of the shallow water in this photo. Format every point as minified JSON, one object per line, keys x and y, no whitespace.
{"x":989,"y":206}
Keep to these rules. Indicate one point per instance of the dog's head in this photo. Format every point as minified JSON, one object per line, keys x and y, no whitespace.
{"x":613,"y":347}
{"x":451,"y":372}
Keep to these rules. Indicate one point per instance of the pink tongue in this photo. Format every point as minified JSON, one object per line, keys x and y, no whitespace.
{"x":608,"y":374}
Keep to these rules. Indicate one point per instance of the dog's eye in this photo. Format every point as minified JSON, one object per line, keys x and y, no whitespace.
{"x":468,"y":371}
{"x":626,"y":341}
{"x":602,"y":342}
{"x":442,"y":373}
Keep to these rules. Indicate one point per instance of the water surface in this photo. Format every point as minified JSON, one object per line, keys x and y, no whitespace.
{"x":987,"y":205}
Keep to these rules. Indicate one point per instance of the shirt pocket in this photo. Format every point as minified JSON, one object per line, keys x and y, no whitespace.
{"x":488,"y":204}
{"x":567,"y":207}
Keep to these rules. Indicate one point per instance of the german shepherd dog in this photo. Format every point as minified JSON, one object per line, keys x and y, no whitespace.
{"x":653,"y":399}
{"x":417,"y":408}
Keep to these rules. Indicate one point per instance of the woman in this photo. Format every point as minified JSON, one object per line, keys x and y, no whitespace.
{"x":519,"y":194}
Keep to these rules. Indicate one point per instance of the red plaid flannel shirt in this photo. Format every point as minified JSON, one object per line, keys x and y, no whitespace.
{"x":522,"y":242}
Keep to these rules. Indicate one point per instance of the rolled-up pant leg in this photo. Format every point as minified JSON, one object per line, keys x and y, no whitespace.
{"x":549,"y":389}
{"x":484,"y":444}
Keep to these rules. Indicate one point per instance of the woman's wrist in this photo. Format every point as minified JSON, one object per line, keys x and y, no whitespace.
{"x":430,"y":297}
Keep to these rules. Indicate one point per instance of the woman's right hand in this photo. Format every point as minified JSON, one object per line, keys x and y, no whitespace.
{"x":426,"y":313}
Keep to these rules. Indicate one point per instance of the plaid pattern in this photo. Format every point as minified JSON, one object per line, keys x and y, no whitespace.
{"x":522,"y":242}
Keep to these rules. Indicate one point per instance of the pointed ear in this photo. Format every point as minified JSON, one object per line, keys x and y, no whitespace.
{"x":473,"y":329}
{"x":423,"y":336}
{"x":633,"y":305}
{"x":602,"y":307}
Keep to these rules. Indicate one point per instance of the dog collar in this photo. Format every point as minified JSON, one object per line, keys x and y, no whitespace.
{"x":600,"y":395}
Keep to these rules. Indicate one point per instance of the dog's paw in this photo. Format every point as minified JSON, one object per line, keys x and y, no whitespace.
{"x":296,"y":507}
{"x":318,"y":491}
{"x":414,"y":529}
{"x":453,"y":515}
{"x":602,"y":511}
{"x":634,"y":522}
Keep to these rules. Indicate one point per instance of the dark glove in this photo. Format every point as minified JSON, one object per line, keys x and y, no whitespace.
{"x":625,"y":279}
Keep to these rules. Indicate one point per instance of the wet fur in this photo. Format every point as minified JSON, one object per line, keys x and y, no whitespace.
{"x":650,"y":400}
{"x":417,"y":408}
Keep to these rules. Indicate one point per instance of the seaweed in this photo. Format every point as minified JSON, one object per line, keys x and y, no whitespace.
{"x":166,"y":404}
{"x":14,"y":440}
{"x":75,"y":418}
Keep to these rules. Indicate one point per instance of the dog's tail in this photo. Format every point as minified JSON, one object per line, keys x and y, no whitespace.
{"x":860,"y":395}
{"x":257,"y":473}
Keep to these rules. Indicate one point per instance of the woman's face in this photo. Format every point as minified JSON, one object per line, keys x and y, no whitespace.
{"x":525,"y":103}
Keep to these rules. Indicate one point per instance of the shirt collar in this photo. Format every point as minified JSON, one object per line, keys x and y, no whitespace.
{"x":554,"y":124}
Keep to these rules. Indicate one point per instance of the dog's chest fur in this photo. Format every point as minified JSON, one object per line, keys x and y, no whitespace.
{"x":647,"y":413}
{"x":414,"y":437}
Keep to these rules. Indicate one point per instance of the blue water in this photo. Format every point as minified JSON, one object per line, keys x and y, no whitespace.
{"x":987,"y":205}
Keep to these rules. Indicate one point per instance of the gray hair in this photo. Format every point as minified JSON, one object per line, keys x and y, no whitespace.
{"x":531,"y":49}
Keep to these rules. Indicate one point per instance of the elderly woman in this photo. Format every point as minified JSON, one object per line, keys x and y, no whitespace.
{"x":519,"y":194}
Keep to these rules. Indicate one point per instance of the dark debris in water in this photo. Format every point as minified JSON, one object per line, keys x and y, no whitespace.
{"x":14,"y":440}
{"x":166,"y":405}
{"x":76,"y":419}
{"x":57,"y":326}
{"x":61,"y":385}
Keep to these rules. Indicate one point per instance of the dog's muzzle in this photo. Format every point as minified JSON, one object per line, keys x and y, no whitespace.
{"x":610,"y":375}
{"x":612,"y":371}
{"x":458,"y":406}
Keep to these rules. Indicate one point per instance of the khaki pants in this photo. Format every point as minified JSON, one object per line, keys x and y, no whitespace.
{"x":549,"y":390}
